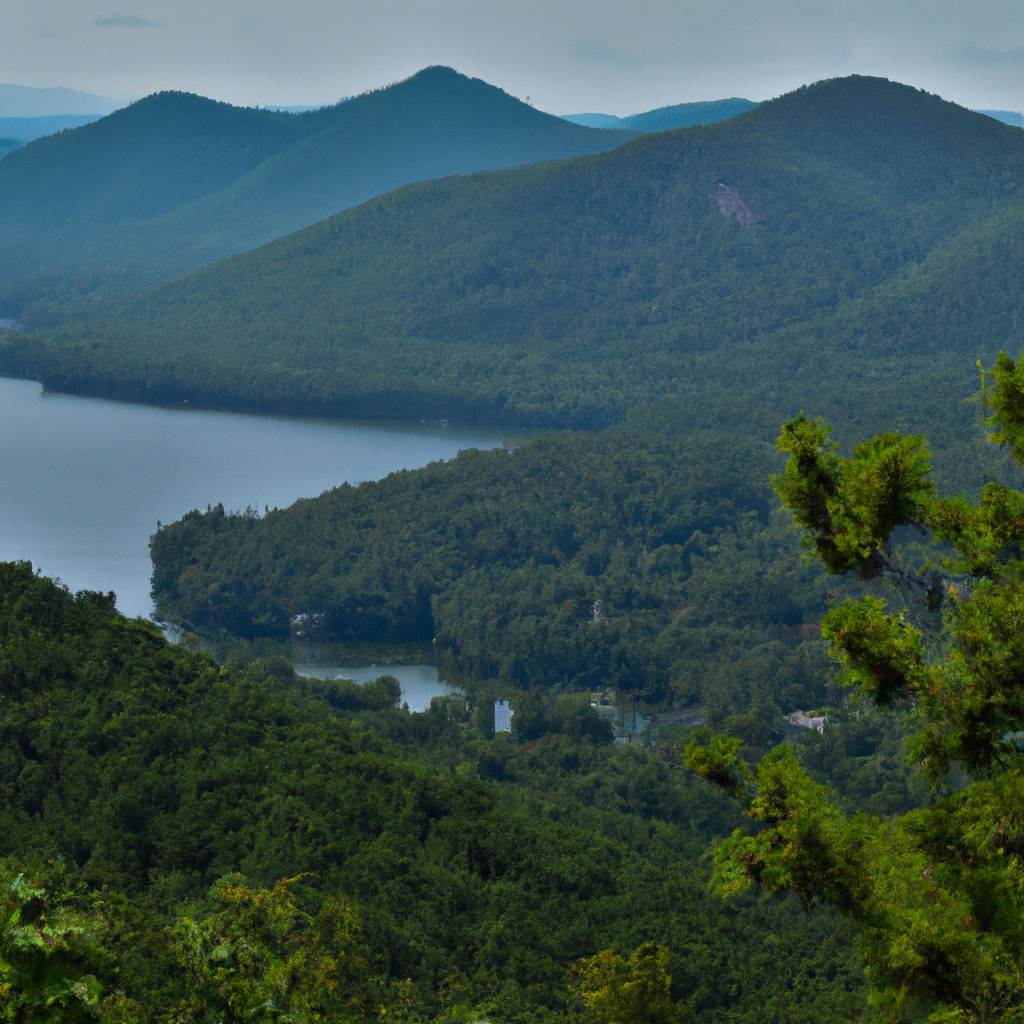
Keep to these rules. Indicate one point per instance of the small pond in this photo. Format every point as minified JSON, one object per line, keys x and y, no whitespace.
{"x":419,"y":682}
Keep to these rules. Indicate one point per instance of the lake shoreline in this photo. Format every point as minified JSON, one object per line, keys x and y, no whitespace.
{"x":85,"y":482}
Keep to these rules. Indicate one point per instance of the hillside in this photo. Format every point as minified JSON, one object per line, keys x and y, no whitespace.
{"x":445,"y":870}
{"x":175,"y":181}
{"x":62,"y":191}
{"x":493,"y":563}
{"x":820,"y":251}
{"x":680,"y":115}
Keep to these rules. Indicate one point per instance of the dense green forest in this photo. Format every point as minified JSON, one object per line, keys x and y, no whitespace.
{"x":194,"y":840}
{"x":191,"y":842}
{"x":174,"y":181}
{"x":937,"y":890}
{"x":573,"y":562}
{"x":877,"y":247}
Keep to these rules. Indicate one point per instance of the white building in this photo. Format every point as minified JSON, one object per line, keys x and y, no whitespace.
{"x":502,"y":716}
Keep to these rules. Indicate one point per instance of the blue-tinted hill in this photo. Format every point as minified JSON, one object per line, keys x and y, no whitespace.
{"x":25,"y":101}
{"x":175,"y":180}
{"x":28,"y":129}
{"x":680,"y":115}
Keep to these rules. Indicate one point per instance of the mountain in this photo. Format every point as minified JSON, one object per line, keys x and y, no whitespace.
{"x":27,"y":129}
{"x":62,"y":191}
{"x":681,"y":115}
{"x":175,"y":181}
{"x":25,"y":101}
{"x":594,"y":120}
{"x":848,"y":248}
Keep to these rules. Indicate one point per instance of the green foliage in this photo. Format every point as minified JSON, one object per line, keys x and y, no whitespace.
{"x":1008,"y":406}
{"x":50,"y":948}
{"x":718,"y":762}
{"x":882,"y":653}
{"x":633,"y":991}
{"x":938,"y":890}
{"x":445,"y":872}
{"x":263,"y":958}
{"x":849,"y":506}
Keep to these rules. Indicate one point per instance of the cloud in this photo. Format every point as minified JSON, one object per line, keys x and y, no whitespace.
{"x":123,"y":20}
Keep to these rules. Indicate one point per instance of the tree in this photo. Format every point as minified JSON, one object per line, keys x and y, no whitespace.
{"x":939,"y":892}
{"x":633,"y":991}
{"x":264,"y":958}
{"x":50,"y":947}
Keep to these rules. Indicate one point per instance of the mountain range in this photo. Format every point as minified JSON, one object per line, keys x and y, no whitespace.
{"x":27,"y":129}
{"x":849,"y":247}
{"x":175,"y":180}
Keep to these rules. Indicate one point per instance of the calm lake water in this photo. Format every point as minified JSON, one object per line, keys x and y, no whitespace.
{"x":419,"y":682}
{"x":83,"y":481}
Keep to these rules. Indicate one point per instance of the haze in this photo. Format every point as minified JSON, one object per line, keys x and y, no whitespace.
{"x":568,"y":57}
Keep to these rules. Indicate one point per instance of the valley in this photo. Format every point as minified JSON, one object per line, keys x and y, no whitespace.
{"x":533,"y":400}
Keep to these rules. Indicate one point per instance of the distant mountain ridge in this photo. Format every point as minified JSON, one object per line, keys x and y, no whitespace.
{"x":175,"y":181}
{"x":849,"y":248}
{"x":680,"y":115}
{"x":28,"y":129}
{"x":28,"y":101}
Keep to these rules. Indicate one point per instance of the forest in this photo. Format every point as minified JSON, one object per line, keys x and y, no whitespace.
{"x":194,"y":841}
{"x":175,"y":180}
{"x":902,"y":815}
{"x":881,"y":250}
{"x":194,"y":832}
{"x":490,"y":565}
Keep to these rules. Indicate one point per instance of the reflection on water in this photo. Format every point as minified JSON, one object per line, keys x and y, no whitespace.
{"x":419,"y":682}
{"x":83,"y":481}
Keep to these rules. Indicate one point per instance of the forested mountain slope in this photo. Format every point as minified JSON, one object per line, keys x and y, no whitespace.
{"x":493,"y":562}
{"x":175,"y":181}
{"x":62,"y":191}
{"x":443,"y":873}
{"x":785,"y":258}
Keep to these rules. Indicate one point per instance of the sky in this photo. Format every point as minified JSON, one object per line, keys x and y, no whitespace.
{"x":568,"y":56}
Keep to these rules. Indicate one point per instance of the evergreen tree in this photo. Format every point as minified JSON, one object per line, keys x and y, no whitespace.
{"x":938,"y":892}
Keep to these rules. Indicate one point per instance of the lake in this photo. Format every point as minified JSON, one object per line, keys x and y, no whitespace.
{"x":84,"y":481}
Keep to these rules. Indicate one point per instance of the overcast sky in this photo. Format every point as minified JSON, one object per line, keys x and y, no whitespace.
{"x":569,"y":56}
